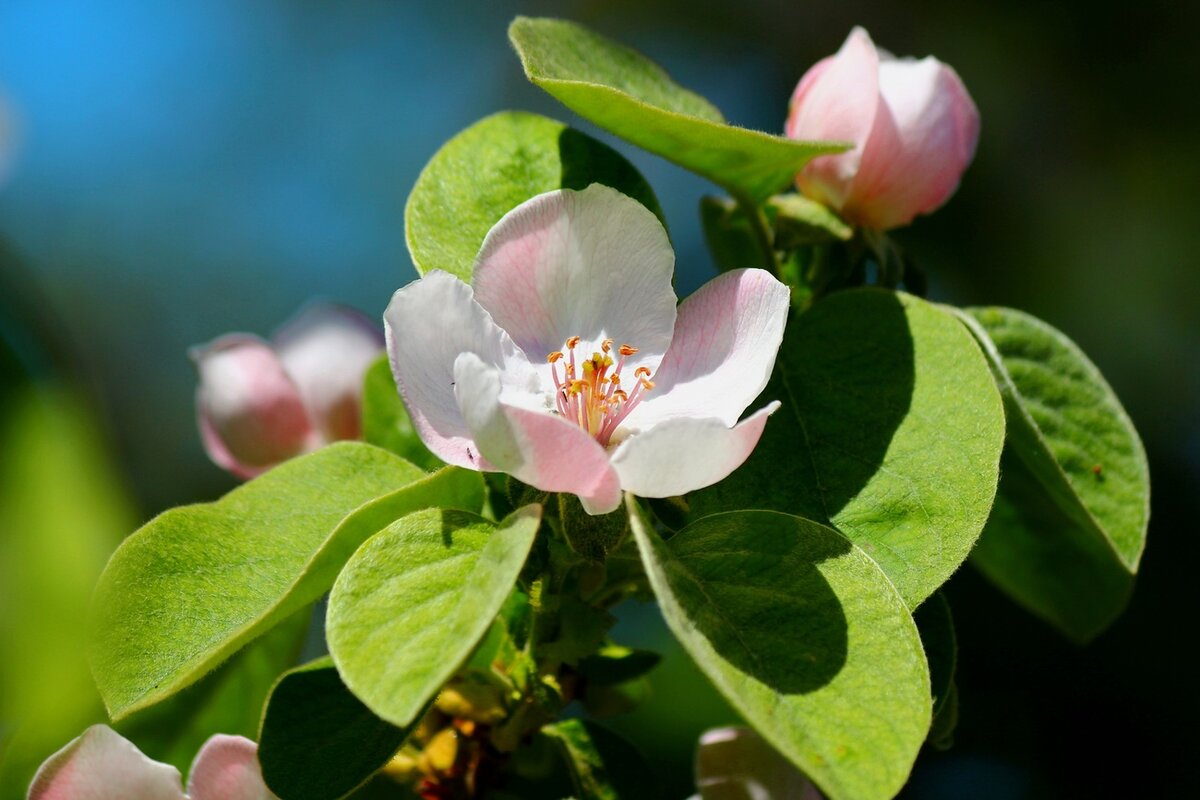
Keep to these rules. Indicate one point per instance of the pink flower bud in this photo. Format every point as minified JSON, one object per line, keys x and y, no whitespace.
{"x":913,"y":125}
{"x":261,"y":403}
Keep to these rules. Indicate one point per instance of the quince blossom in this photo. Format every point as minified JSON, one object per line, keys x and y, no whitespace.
{"x":103,"y":765}
{"x":568,"y":365}
{"x":260,"y":403}
{"x":913,"y":125}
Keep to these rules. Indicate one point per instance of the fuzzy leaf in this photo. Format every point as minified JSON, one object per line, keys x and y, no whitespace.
{"x":1070,"y":523}
{"x":805,"y":636}
{"x":492,"y":167}
{"x":891,"y":431}
{"x":628,"y":95}
{"x":198,"y":582}
{"x":416,"y":599}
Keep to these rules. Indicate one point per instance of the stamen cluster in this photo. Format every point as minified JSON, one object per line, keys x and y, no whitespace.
{"x":589,"y":392}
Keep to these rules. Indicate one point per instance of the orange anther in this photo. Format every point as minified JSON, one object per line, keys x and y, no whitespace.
{"x":640,"y":371}
{"x":574,"y":340}
{"x":626,"y":349}
{"x":619,"y":394}
{"x":606,"y":345}
{"x":647,"y":385}
{"x":555,"y":356}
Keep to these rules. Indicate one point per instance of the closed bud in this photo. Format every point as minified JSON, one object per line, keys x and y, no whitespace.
{"x":912,"y":123}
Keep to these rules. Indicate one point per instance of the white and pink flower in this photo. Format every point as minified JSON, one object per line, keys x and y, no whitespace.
{"x":260,"y":403}
{"x":103,"y":765}
{"x":568,"y":365}
{"x":913,"y":125}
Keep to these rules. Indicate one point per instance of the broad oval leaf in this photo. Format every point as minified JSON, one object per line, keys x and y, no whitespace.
{"x":493,"y":166}
{"x":1070,"y":521}
{"x":228,"y":700}
{"x":891,"y":431}
{"x":197,"y":582}
{"x":318,"y":741}
{"x":416,"y":599}
{"x":805,"y":636}
{"x":628,"y":95}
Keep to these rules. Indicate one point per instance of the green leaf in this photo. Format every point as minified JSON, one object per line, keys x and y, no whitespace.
{"x":417,"y":598}
{"x":891,"y":431}
{"x":1067,"y":425}
{"x":492,"y":167}
{"x":799,"y":221}
{"x":1070,"y":520}
{"x":805,"y":636}
{"x":228,"y":700}
{"x":385,"y":419}
{"x":198,"y":582}
{"x":936,"y":626}
{"x":603,"y":765}
{"x":728,"y":235}
{"x":318,"y":741}
{"x":1046,"y":561}
{"x":632,"y":97}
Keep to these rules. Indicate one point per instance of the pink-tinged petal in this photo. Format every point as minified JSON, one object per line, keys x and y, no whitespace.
{"x":684,"y":454}
{"x":923,"y":140}
{"x":250,"y":413}
{"x":592,"y":263}
{"x":427,"y":325}
{"x":737,"y":764}
{"x":226,"y":768}
{"x":103,"y":765}
{"x":837,"y":100}
{"x":726,"y":338}
{"x":326,"y":349}
{"x":532,"y":444}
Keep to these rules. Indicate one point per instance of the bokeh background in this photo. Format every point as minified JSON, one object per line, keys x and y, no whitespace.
{"x":173,"y":171}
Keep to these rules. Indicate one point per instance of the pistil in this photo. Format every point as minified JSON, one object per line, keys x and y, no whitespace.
{"x":589,"y":393}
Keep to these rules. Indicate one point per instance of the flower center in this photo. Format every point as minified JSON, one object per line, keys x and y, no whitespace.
{"x":589,"y":392}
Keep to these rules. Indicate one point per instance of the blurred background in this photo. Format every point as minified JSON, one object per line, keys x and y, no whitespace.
{"x":173,"y":171}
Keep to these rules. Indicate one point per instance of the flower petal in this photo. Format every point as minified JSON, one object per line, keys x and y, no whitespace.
{"x":684,"y":454}
{"x":923,"y":139}
{"x":726,"y":338}
{"x":103,"y":765}
{"x":533,"y":445}
{"x":737,"y":762}
{"x":226,"y":768}
{"x":591,"y":263}
{"x":427,"y":325}
{"x":250,"y":413}
{"x":837,"y":100}
{"x":326,"y":349}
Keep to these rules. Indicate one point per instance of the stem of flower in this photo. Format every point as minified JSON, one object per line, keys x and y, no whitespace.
{"x":761,"y":230}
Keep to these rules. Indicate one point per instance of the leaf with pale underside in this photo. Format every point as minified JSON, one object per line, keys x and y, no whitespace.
{"x":628,"y":95}
{"x":890,"y":431}
{"x":196,"y":583}
{"x":1070,"y":521}
{"x":805,"y":636}
{"x":416,"y":599}
{"x":492,"y":167}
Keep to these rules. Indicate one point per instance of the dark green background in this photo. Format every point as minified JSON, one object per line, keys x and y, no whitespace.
{"x":190,"y":168}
